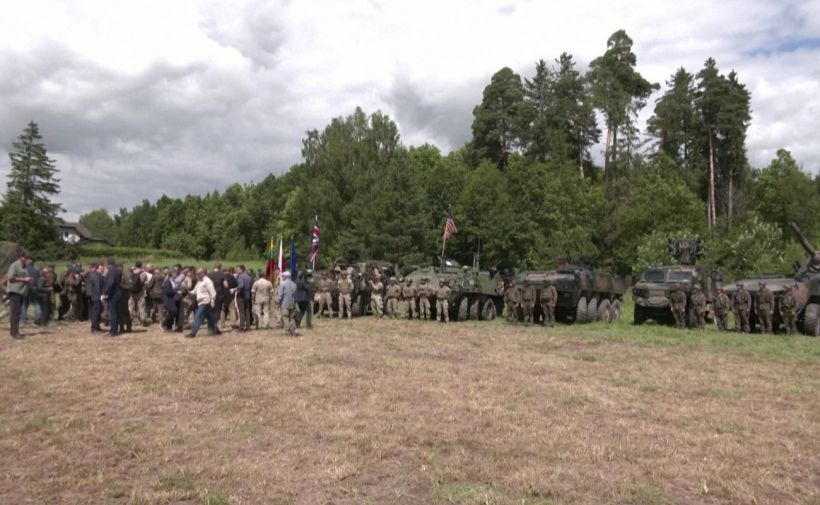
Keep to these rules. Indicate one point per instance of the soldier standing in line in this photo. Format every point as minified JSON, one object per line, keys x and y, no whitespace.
{"x":512,"y":300}
{"x":393,"y":295}
{"x":325,"y":296}
{"x":678,"y":301}
{"x":788,"y":310}
{"x":443,"y":302}
{"x":261,"y":296}
{"x":424,"y":299}
{"x":741,"y":304}
{"x":765,"y":308}
{"x":549,"y":297}
{"x":376,"y":291}
{"x":722,"y":306}
{"x":528,"y":302}
{"x":409,"y":293}
{"x":699,"y":306}
{"x":345,"y":287}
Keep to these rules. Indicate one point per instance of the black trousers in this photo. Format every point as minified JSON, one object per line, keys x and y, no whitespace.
{"x":45,"y":309}
{"x":244,"y":309}
{"x":305,"y":312}
{"x":15,"y":310}
{"x":96,"y":312}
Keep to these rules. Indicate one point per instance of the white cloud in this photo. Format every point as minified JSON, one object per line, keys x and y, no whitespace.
{"x":136,"y":99}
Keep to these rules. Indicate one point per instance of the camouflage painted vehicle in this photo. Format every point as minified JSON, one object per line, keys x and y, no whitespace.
{"x":651,"y":293}
{"x":808,"y":280}
{"x":776,"y":284}
{"x":361,"y":273}
{"x":584,"y":295}
{"x":474,"y":293}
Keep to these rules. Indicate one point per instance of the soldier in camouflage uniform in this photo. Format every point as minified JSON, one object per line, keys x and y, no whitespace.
{"x":722,"y":306}
{"x":528,"y":302}
{"x":376,"y":292}
{"x":549,"y":297}
{"x":71,"y":290}
{"x":425,"y":292}
{"x":124,"y":322}
{"x":156,"y":313}
{"x":393,"y":295}
{"x":512,"y":301}
{"x":699,"y":306}
{"x":345,"y":287}
{"x":409,"y":293}
{"x":741,"y":304}
{"x":186,"y":303}
{"x":442,"y":302}
{"x":788,"y":310}
{"x":765,"y":308}
{"x":325,"y":296}
{"x":678,"y":301}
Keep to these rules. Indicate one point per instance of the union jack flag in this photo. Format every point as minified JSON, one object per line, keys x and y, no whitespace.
{"x":449,"y":226}
{"x":314,"y":242}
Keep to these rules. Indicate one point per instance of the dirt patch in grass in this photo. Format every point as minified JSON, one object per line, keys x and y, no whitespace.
{"x":403,"y":412}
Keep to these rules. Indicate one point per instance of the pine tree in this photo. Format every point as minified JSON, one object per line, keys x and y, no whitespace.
{"x":674,"y":123}
{"x":28,"y":212}
{"x":498,"y":121}
{"x":536,"y":112}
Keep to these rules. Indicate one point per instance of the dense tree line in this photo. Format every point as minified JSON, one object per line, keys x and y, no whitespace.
{"x":525,"y":188}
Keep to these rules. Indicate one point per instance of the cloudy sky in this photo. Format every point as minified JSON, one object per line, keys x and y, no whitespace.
{"x":136,"y":99}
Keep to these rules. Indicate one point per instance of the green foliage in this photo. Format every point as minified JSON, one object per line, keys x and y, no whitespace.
{"x":654,"y":251}
{"x":498,"y":120}
{"x":754,"y":247}
{"x":28,"y":214}
{"x":104,"y":251}
{"x":100,"y":224}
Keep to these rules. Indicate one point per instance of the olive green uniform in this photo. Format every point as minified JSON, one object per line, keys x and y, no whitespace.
{"x":788,"y":310}
{"x":409,"y":293}
{"x":765,"y":308}
{"x":549,"y":297}
{"x":393,"y":295}
{"x":722,"y":306}
{"x":376,"y":301}
{"x":741,"y":303}
{"x":425,"y":292}
{"x":345,"y":287}
{"x":699,"y":308}
{"x":528,"y":303}
{"x":442,"y":303}
{"x":678,"y":301}
{"x":512,"y":300}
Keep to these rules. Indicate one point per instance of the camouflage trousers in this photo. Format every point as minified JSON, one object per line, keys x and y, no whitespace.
{"x":138,"y":306}
{"x":345,"y":305}
{"x":679,"y":313}
{"x":549,"y":313}
{"x":262,"y":312}
{"x":393,"y":307}
{"x":442,"y":311}
{"x":742,"y":320}
{"x":377,"y":305}
{"x":411,"y":308}
{"x":527,"y":307}
{"x":424,"y":308}
{"x":764,"y":316}
{"x":720,"y":318}
{"x":512,"y":312}
{"x":700,"y":315}
{"x":790,"y":321}
{"x":325,"y":300}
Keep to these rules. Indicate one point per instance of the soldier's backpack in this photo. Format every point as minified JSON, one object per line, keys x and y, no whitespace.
{"x":127,"y":280}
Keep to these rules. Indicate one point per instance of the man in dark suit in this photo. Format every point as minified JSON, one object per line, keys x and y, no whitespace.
{"x":95,"y":293}
{"x":217,"y":276}
{"x":111,"y":293}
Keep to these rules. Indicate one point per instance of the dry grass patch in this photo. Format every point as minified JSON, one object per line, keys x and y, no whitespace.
{"x":398,"y":412}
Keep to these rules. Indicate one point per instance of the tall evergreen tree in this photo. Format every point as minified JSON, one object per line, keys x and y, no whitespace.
{"x":620,"y":92}
{"x":536,"y":113}
{"x":499,"y":118}
{"x":674,"y":123}
{"x":28,"y":212}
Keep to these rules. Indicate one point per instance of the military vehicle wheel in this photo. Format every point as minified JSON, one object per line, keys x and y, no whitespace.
{"x":616,"y":310}
{"x":356,"y":307}
{"x":463,"y":308}
{"x":475,"y":309}
{"x":592,"y":310}
{"x":605,"y":311}
{"x":639,"y":317}
{"x":581,"y":311}
{"x":811,"y":320}
{"x":488,"y":313}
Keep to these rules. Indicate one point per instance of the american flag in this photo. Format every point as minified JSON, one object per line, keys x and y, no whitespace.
{"x":449,"y":226}
{"x":314,"y":242}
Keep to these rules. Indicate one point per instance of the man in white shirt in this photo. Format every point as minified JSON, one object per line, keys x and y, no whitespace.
{"x":205,"y":300}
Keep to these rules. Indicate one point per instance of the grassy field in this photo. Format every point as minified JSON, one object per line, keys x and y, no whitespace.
{"x":406,"y":412}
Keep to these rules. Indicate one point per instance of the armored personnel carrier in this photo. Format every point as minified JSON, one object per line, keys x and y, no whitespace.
{"x":808,"y":280}
{"x":651,"y":292}
{"x":474,"y":293}
{"x":584,"y":295}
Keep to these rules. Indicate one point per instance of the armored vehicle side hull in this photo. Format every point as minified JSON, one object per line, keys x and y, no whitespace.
{"x":474,"y":294}
{"x":652,"y":291}
{"x":361,"y":273}
{"x":776,"y":285}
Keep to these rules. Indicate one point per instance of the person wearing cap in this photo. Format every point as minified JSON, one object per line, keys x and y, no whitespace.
{"x":722,"y":306}
{"x":764,"y":308}
{"x":286,"y":299}
{"x":424,"y":292}
{"x":17,"y":289}
{"x":741,"y":304}
{"x":393,"y":295}
{"x":698,"y":301}
{"x":409,"y":293}
{"x":443,"y":302}
{"x":376,"y":292}
{"x":677,"y":299}
{"x":345,"y":287}
{"x":788,"y":310}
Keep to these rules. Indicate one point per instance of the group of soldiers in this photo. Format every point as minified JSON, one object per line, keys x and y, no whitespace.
{"x":740,"y":305}
{"x":523,"y":298}
{"x":384,"y":299}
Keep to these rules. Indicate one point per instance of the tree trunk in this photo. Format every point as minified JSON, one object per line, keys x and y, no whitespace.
{"x":731,"y":205}
{"x":712,"y":215}
{"x":581,"y":162}
{"x":607,"y":149}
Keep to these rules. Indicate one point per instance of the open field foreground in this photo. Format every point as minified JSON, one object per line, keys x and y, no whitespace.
{"x":406,"y":412}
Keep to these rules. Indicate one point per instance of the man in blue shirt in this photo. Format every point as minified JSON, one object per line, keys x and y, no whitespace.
{"x":286,"y":298}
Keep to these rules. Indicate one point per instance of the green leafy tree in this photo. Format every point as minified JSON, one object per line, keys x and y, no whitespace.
{"x":499,"y":119}
{"x":783,"y":193}
{"x":100,"y":224}
{"x":28,"y":212}
{"x":620,"y":92}
{"x":674,"y":123}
